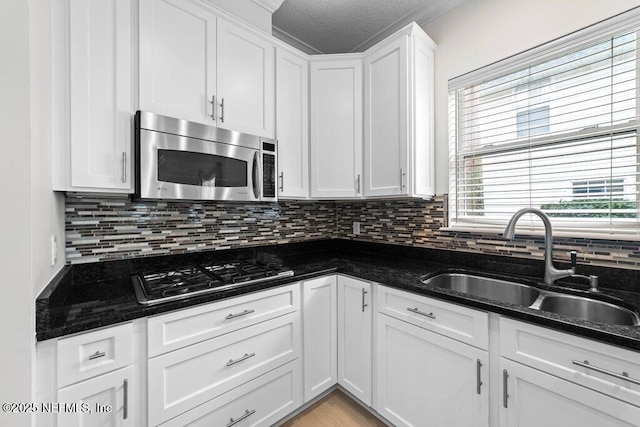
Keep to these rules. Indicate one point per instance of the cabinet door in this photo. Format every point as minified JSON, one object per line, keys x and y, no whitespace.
{"x":177,"y":60}
{"x":101,"y":401}
{"x":355,"y":337}
{"x":425,"y":379}
{"x":336,"y":129}
{"x":292,"y":124}
{"x":535,"y":398}
{"x":386,"y":119}
{"x":245,"y":81}
{"x":100,"y":76}
{"x":320,"y":335}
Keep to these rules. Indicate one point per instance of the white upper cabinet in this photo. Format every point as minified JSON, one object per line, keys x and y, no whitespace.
{"x":398,"y":117}
{"x":245,"y":81}
{"x":292,"y":124}
{"x":336,"y":128}
{"x":199,"y":67}
{"x":93,"y":95}
{"x":177,"y":60}
{"x":385,"y":133}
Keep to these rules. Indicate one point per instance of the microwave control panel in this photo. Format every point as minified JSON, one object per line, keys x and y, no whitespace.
{"x":268,"y":170}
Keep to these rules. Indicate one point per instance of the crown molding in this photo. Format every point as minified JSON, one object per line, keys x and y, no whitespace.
{"x":294,"y":41}
{"x":270,"y":5}
{"x":422,"y":15}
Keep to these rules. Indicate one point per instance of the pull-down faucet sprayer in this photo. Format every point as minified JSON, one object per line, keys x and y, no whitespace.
{"x":551,"y":274}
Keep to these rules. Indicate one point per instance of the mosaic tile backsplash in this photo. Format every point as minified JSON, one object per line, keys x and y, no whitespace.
{"x":100,"y":229}
{"x":417,"y":222}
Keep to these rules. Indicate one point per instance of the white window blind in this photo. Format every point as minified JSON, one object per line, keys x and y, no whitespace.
{"x":559,"y":133}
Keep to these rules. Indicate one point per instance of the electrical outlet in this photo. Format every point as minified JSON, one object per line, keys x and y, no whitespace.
{"x":54,"y":250}
{"x":356,"y":227}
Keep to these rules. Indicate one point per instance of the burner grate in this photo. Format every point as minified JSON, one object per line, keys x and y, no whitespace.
{"x":184,"y":281}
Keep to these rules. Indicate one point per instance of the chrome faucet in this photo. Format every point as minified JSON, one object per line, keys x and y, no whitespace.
{"x":551,"y":274}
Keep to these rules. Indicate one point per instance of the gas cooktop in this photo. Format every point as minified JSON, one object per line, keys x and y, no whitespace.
{"x":169,"y":284}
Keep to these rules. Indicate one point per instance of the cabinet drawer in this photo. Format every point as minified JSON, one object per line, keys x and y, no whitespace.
{"x":262,"y":401}
{"x":555,"y":352}
{"x":94,"y":353}
{"x":175,"y":330}
{"x":183,"y":379}
{"x":454,"y":321}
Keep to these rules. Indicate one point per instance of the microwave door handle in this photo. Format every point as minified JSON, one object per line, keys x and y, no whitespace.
{"x":256,"y":176}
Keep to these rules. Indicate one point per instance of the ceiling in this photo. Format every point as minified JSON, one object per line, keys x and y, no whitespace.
{"x":340,"y":26}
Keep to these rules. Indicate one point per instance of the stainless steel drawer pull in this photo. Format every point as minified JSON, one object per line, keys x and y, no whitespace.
{"x":623,"y":376}
{"x":97,"y":355}
{"x":281,"y":181}
{"x":421,"y":313}
{"x":505,"y":393}
{"x":478,"y":379}
{"x":243,"y":358}
{"x":124,"y":167}
{"x":358,"y":184}
{"x":401,"y":179}
{"x":213,"y":107}
{"x":363,"y":303}
{"x":244,"y":313}
{"x":125,"y":392}
{"x":222,"y":110}
{"x":247,"y":414}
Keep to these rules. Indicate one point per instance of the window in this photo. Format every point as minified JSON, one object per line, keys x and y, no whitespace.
{"x":558,"y":132}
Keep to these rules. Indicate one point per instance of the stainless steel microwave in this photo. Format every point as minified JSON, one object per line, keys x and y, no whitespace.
{"x":181,"y":160}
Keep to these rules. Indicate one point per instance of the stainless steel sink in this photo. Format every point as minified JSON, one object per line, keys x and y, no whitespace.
{"x":484,"y":287}
{"x":528,"y":296}
{"x":589,"y":309}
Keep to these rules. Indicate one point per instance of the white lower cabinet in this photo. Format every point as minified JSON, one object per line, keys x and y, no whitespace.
{"x":355,"y":352}
{"x":531,"y":398}
{"x":426,"y":379}
{"x":102,"y":401}
{"x":260,"y":402}
{"x":182,"y":379}
{"x":320,"y":353}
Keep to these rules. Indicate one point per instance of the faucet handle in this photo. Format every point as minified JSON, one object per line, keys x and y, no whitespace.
{"x":574,"y":258}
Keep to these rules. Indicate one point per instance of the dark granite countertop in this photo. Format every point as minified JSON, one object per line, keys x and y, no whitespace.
{"x":88,"y":296}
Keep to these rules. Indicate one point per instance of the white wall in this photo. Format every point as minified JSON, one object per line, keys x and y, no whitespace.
{"x":30,"y":211}
{"x":480,"y":32}
{"x":16,"y":302}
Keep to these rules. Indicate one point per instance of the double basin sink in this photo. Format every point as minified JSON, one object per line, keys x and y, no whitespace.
{"x":528,"y":296}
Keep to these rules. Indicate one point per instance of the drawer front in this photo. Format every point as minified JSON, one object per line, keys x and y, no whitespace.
{"x":94,"y":353}
{"x":183,"y":379}
{"x":175,"y":330}
{"x":260,"y":402}
{"x":555,"y":352}
{"x":454,"y":321}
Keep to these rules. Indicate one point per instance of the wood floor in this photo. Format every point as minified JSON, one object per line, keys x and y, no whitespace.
{"x":338,"y":410}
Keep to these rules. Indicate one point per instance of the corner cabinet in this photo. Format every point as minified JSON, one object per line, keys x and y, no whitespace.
{"x":336,"y":127}
{"x":319,"y":317}
{"x":355,"y":329}
{"x":398,"y":116}
{"x":197,"y":66}
{"x":292,"y":124}
{"x":93,"y":95}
